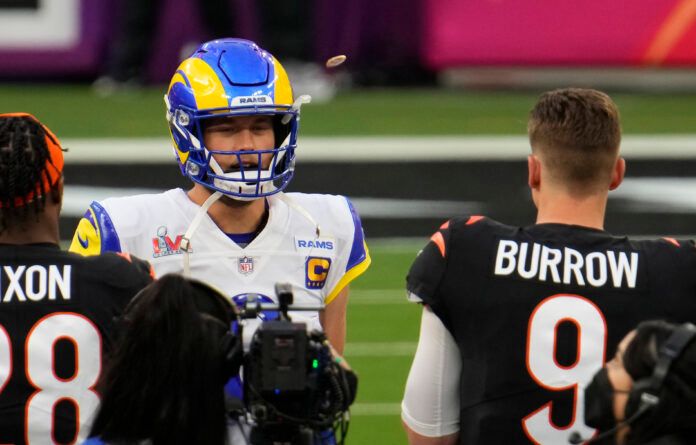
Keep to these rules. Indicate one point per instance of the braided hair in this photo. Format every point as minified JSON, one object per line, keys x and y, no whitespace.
{"x":27,"y":170}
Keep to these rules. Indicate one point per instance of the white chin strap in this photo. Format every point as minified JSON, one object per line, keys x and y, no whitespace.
{"x":234,"y":183}
{"x":186,"y":240}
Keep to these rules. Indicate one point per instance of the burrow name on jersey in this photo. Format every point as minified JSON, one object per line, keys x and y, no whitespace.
{"x":567,"y":266}
{"x":35,"y":283}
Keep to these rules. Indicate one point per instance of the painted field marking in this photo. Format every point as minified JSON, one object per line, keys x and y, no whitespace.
{"x":379,"y":148}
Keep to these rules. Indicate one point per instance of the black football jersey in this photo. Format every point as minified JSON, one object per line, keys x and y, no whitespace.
{"x":536,"y":311}
{"x":57,"y":313}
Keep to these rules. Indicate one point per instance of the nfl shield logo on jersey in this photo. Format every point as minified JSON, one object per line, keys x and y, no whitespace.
{"x":245,"y":265}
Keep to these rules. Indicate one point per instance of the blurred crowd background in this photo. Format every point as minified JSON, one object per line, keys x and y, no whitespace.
{"x":475,"y":43}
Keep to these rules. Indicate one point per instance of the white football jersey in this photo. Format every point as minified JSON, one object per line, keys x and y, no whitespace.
{"x":288,"y":249}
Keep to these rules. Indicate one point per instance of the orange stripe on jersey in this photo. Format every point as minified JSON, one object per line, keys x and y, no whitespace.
{"x":671,"y":240}
{"x":474,"y":219}
{"x":125,"y":255}
{"x":445,"y":225}
{"x":439,"y":242}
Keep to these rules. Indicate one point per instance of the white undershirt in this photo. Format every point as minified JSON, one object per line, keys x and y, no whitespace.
{"x":431,"y":399}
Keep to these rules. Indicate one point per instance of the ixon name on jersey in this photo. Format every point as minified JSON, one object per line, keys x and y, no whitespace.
{"x":566,"y":266}
{"x":22,"y":284}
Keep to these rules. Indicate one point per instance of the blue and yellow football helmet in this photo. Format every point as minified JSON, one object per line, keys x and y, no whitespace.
{"x":233,"y":77}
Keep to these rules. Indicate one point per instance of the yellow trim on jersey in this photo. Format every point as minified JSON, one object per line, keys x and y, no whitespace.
{"x":86,"y":233}
{"x":350,"y":275}
{"x":282,"y":91}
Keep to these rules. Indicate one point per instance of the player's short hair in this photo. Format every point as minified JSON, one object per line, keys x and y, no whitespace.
{"x":31,"y":165}
{"x":676,"y":411}
{"x":577,"y":132}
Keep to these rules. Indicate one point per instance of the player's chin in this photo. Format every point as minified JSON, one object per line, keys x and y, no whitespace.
{"x":231,"y":201}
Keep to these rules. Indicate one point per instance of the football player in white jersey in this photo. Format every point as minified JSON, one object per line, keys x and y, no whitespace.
{"x":234,"y":124}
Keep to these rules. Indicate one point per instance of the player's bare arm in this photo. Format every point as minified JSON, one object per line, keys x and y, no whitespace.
{"x":333,"y":320}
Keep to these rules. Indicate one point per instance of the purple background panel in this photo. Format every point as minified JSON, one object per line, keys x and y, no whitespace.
{"x":82,"y":59}
{"x":180,"y":25}
{"x":384,"y":33}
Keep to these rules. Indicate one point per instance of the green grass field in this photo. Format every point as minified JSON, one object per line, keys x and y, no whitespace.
{"x":382,"y":334}
{"x":73,"y":111}
{"x":382,"y":326}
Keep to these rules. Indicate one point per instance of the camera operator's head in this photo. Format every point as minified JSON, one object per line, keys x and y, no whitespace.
{"x":173,"y":356}
{"x":648,"y":390}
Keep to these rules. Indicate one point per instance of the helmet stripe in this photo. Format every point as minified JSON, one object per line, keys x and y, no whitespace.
{"x":282,"y":90}
{"x":179,"y":77}
{"x":205,"y":83}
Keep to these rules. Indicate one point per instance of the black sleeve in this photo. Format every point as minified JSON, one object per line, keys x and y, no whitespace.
{"x":428,"y":269}
{"x":127,"y":271}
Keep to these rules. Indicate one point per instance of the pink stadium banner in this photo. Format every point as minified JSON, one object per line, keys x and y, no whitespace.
{"x":559,"y":32}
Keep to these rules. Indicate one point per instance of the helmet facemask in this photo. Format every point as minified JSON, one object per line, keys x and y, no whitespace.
{"x":246,"y":182}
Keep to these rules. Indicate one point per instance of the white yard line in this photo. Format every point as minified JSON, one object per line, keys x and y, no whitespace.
{"x":379,"y":148}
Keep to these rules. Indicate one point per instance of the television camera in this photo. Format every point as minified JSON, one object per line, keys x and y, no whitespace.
{"x":295,"y":391}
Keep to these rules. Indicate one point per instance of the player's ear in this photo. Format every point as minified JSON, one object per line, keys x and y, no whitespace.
{"x":56,"y":192}
{"x":618,"y":173}
{"x":534,"y":171}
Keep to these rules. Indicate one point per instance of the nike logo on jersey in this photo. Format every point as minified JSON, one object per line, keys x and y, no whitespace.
{"x":567,"y":266}
{"x":83,"y":242}
{"x":35,"y":283}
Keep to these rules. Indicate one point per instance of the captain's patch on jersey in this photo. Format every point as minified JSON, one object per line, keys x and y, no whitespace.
{"x":162,"y":244}
{"x":316,"y":272}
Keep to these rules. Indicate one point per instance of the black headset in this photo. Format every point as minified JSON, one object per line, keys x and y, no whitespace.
{"x":645,"y":392}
